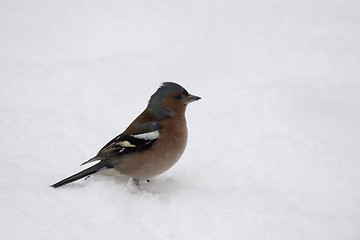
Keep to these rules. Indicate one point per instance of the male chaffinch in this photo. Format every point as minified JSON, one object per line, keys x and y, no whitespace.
{"x":151,"y":144}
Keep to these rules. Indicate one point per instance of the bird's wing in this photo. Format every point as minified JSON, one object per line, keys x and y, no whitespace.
{"x":142,"y":139}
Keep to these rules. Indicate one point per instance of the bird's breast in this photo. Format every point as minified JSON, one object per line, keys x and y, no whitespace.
{"x":162,"y":155}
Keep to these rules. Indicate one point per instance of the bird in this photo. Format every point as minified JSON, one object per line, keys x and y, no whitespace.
{"x":151,"y":144}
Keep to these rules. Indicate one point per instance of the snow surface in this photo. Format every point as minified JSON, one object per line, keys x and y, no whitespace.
{"x":273,"y":149}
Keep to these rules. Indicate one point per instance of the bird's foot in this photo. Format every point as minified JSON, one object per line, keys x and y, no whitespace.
{"x":136,"y":182}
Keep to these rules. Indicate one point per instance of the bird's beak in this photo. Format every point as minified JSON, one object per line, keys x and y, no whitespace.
{"x":191,"y":98}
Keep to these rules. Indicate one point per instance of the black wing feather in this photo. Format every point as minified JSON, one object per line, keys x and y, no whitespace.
{"x":124,"y":144}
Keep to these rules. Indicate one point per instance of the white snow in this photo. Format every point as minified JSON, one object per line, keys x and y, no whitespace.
{"x":273,"y":150}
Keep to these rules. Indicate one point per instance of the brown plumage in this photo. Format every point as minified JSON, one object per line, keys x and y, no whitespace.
{"x":152,"y":143}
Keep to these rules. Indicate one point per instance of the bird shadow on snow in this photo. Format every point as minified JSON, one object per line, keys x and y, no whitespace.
{"x":159,"y":185}
{"x":162,"y":185}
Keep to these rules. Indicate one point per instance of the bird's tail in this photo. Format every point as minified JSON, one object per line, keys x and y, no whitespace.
{"x":79,"y":175}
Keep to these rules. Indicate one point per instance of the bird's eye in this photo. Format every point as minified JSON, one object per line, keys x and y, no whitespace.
{"x":178,"y":97}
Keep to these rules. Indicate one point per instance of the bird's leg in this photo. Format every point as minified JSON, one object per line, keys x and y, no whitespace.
{"x":136,"y":182}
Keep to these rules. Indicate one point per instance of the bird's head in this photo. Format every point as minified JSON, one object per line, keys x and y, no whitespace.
{"x":169,"y":100}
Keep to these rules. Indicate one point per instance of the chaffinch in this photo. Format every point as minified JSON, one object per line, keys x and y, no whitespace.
{"x":151,"y":144}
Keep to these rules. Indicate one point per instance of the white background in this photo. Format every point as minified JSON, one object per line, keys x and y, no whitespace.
{"x":273,"y":149}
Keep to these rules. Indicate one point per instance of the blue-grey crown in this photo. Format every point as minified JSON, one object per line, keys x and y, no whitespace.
{"x":156,"y":101}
